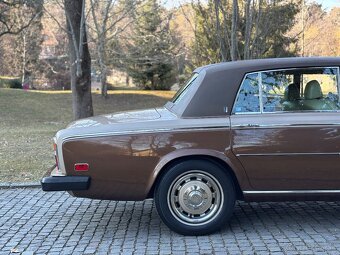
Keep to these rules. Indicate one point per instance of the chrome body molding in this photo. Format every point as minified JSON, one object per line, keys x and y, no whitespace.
{"x":259,"y":75}
{"x":143,"y":131}
{"x":291,"y":154}
{"x":57,"y":172}
{"x":289,"y":192}
{"x":263,"y":126}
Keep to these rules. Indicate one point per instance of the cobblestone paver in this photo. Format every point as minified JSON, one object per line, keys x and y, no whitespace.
{"x":34,"y":222}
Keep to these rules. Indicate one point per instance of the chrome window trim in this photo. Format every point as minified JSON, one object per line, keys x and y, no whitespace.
{"x":264,"y":126}
{"x":306,"y":111}
{"x":237,"y":95}
{"x":289,"y":192}
{"x":246,"y":113}
{"x":177,"y":97}
{"x":259,"y":77}
{"x":292,"y":154}
{"x":285,"y":112}
{"x":338,"y":78}
{"x":276,"y":70}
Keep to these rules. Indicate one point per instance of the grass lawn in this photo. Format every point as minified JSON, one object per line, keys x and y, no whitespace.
{"x":30,"y":119}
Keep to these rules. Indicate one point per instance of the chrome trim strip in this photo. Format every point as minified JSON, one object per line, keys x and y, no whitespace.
{"x":301,"y":111}
{"x":338,"y":77}
{"x":285,"y":112}
{"x":290,"y":192}
{"x":291,"y":154}
{"x":144,"y":131}
{"x":284,"y":125}
{"x":259,"y":77}
{"x":237,"y":95}
{"x":245,"y":113}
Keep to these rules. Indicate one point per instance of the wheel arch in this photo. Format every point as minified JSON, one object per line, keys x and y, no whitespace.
{"x":162,"y":169}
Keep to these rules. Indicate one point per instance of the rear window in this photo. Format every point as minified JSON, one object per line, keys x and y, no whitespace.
{"x":184,"y":89}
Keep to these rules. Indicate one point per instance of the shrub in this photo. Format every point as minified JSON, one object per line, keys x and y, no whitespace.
{"x":10,"y":83}
{"x":56,"y":74}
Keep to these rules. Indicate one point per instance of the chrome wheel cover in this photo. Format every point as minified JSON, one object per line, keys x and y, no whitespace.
{"x":195,"y":198}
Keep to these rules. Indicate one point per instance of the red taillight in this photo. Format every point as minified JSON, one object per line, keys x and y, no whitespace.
{"x":81,"y":167}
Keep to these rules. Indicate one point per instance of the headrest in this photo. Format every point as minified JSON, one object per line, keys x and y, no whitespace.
{"x":313,"y":90}
{"x":292,"y":93}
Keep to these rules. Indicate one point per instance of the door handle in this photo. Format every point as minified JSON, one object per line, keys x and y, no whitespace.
{"x":253,"y":125}
{"x":248,"y":126}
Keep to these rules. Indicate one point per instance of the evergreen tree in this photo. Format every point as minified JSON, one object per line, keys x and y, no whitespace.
{"x":260,"y":30}
{"x":150,"y":59}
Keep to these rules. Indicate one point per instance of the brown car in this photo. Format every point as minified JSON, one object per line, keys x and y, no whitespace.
{"x":258,"y":130}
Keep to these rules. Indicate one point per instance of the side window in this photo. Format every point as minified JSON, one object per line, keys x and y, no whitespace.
{"x":279,"y":92}
{"x":321,"y":87}
{"x":312,"y":89}
{"x":298,"y":89}
{"x":248,"y":97}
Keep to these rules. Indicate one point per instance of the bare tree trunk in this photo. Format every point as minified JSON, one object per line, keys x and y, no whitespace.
{"x":225,"y":22}
{"x":219,"y":31}
{"x":102,"y":66}
{"x":103,"y":81}
{"x":303,"y":27}
{"x":233,"y":49}
{"x":23,"y":71}
{"x":79,"y":58}
{"x":153,"y":82}
{"x":247,"y":34}
{"x":101,"y":31}
{"x":106,"y":27}
{"x":255,"y":51}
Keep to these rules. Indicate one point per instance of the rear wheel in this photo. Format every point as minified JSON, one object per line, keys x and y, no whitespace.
{"x":195,"y":197}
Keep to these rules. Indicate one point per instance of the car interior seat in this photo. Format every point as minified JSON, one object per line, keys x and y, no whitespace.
{"x":314,"y":99}
{"x":291,"y":98}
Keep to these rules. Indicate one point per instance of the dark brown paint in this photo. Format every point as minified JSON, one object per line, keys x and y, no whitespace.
{"x":289,"y":151}
{"x":124,"y":167}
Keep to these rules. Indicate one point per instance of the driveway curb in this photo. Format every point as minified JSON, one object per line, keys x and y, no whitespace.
{"x":19,"y":185}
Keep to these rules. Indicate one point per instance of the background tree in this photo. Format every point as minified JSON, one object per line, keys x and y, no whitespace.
{"x":28,"y":44}
{"x":155,"y":46}
{"x":54,"y":54}
{"x":110,"y":19}
{"x":80,"y":59}
{"x":246,"y":29}
{"x":204,"y":48}
{"x":316,"y":30}
{"x":9,"y":11}
{"x":21,"y":38}
{"x":150,"y":56}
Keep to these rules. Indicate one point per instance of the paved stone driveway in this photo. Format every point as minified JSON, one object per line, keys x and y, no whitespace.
{"x":34,"y":222}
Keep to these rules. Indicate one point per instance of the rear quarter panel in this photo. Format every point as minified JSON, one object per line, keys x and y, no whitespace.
{"x":124,"y":167}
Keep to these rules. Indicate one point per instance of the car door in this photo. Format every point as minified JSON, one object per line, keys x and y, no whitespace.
{"x":289,"y":148}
